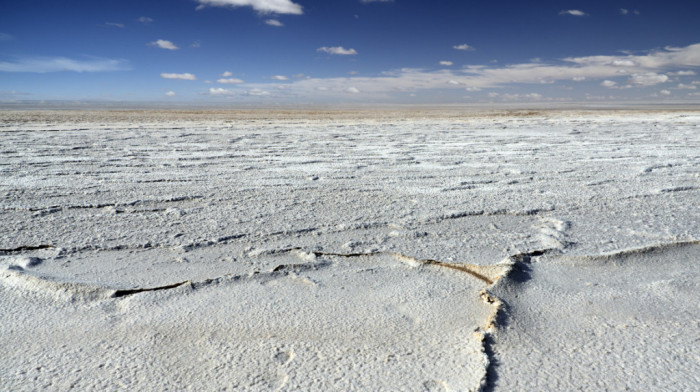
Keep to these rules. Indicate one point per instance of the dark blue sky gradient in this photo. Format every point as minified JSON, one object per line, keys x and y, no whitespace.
{"x":388,"y":36}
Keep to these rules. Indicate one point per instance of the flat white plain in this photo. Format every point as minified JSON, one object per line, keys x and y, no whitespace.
{"x":255,"y":250}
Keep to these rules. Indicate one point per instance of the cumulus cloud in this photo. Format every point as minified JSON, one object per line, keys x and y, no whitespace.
{"x":274,"y":22}
{"x":262,"y":6}
{"x":464,"y":47}
{"x":60,"y":64}
{"x":352,"y":90}
{"x":665,"y":92}
{"x":339,"y":50}
{"x":182,"y":76}
{"x":164,"y":44}
{"x":682,"y":86}
{"x":573,"y":12}
{"x":226,"y":74}
{"x":257,"y":92}
{"x":647,"y":79}
{"x":280,"y":77}
{"x":145,"y":20}
{"x":170,"y":93}
{"x":649,"y":69}
{"x":683,"y":73}
{"x":220,"y":91}
{"x":446,"y":63}
{"x":229,"y":81}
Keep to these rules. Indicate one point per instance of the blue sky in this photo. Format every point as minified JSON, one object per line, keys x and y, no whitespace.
{"x":350,"y":51}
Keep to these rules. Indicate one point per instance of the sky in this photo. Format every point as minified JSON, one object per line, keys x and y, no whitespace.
{"x":271,"y":52}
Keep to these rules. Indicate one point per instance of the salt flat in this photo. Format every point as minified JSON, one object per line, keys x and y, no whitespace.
{"x":341,"y":250}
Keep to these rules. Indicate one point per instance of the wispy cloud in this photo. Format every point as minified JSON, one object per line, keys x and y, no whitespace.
{"x":464,"y":47}
{"x":446,"y":63}
{"x":164,"y":44}
{"x":621,"y":71}
{"x":220,"y":91}
{"x":647,"y":79}
{"x":262,"y":6}
{"x":145,"y":20}
{"x":170,"y":94}
{"x":274,"y":22}
{"x":226,"y":74}
{"x":181,"y":76}
{"x":280,"y":77}
{"x":339,"y":50}
{"x":60,"y":64}
{"x":625,"y":11}
{"x":573,"y":13}
{"x":230,"y":81}
{"x":112,"y":24}
{"x":6,"y":37}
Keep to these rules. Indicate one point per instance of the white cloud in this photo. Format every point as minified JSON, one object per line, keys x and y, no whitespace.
{"x":170,"y":93}
{"x":649,"y":68}
{"x":60,"y":64}
{"x":453,"y":82}
{"x":472,"y":89}
{"x":220,"y":91}
{"x":339,"y":50}
{"x":145,"y":20}
{"x":164,"y":44}
{"x":683,"y":73}
{"x":280,"y":77}
{"x":196,"y":44}
{"x":111,"y":24}
{"x":647,"y":79}
{"x":623,"y":63}
{"x":665,"y":92}
{"x":262,"y":6}
{"x":573,"y":12}
{"x":226,"y":74}
{"x":446,"y":63}
{"x":624,"y":11}
{"x":256,"y":92}
{"x":578,"y":78}
{"x":463,"y":47}
{"x":682,"y":86}
{"x":182,"y":76}
{"x":274,"y":22}
{"x":230,"y":81}
{"x":352,"y":90}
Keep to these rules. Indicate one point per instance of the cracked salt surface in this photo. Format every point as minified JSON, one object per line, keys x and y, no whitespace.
{"x":349,"y":250}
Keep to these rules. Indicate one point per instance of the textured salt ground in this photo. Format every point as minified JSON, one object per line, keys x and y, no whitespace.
{"x":320,"y":323}
{"x":95,"y":203}
{"x":620,"y":321}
